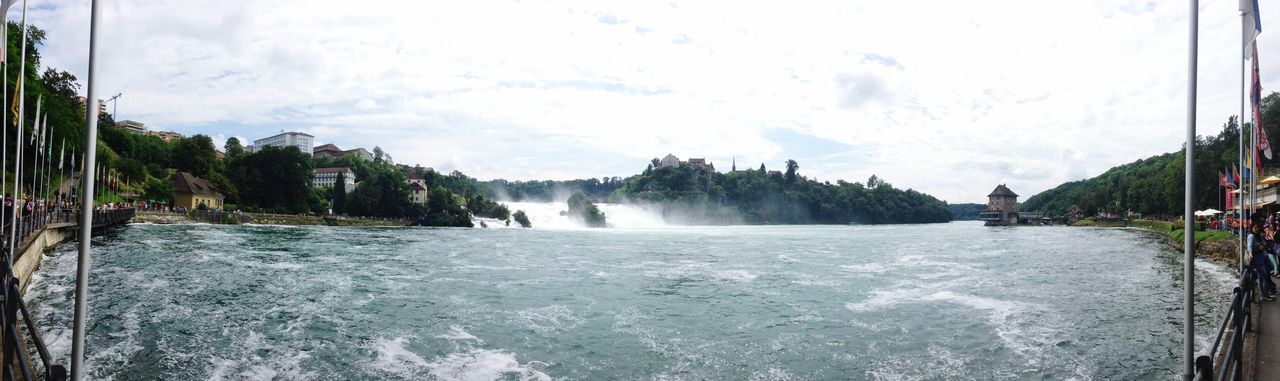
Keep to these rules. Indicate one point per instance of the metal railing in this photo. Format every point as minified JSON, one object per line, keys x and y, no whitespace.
{"x":1230,"y":363}
{"x":17,"y":361}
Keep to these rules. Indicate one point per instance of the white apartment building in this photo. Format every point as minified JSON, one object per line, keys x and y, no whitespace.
{"x":303,"y":141}
{"x":327,"y":177}
{"x":132,"y":126}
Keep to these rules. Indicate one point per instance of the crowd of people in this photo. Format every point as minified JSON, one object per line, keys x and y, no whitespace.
{"x":1261,"y":257}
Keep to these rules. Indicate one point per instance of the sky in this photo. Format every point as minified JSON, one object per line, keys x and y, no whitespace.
{"x":949,"y":98}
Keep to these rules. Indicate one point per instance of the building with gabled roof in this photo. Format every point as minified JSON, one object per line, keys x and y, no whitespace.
{"x":1001,"y":208}
{"x":190,"y":192}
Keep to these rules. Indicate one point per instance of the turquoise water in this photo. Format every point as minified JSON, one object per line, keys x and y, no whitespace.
{"x":948,"y":301}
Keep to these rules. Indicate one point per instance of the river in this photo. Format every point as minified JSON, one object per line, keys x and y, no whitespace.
{"x":944,"y":301}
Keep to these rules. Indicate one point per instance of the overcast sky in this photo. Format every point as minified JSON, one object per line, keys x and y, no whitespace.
{"x":946,"y":97}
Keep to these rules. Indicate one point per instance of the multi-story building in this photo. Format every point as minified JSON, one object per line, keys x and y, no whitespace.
{"x":167,"y":136}
{"x":327,"y":177}
{"x":102,"y":105}
{"x":329,"y":150}
{"x":361,"y":152}
{"x":1002,"y":207}
{"x":303,"y":141}
{"x":418,"y":191}
{"x":132,"y":126}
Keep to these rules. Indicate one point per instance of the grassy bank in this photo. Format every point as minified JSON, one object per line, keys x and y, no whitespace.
{"x":1101,"y":224}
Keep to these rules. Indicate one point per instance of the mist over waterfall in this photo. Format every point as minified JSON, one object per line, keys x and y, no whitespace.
{"x":546,"y":215}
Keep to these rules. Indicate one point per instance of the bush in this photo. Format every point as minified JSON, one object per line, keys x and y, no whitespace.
{"x":522,"y":219}
{"x":583,"y":210}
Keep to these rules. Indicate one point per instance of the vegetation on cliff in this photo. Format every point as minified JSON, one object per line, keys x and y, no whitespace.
{"x":1154,"y":186}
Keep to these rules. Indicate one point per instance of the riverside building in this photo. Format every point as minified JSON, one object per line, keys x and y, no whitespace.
{"x":1001,"y":207}
{"x":328,"y":177}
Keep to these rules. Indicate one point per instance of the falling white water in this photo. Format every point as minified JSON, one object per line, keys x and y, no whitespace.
{"x":546,"y":215}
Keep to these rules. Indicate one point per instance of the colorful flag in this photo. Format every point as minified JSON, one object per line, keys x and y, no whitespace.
{"x":1252,"y":24}
{"x":1222,"y":180}
{"x":1264,"y":145}
{"x":14,"y":108}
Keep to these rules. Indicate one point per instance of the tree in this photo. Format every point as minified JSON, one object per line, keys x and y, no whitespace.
{"x":378,"y":155}
{"x":583,"y":210}
{"x":233,"y":148}
{"x":159,"y":190}
{"x":522,"y":219}
{"x":275,"y":178}
{"x":340,"y":194}
{"x":792,"y":167}
{"x":195,"y":155}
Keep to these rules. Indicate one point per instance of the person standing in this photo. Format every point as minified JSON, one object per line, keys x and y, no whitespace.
{"x":1259,"y":262}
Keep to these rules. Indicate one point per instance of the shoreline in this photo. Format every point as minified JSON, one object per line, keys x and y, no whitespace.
{"x":282,"y":220}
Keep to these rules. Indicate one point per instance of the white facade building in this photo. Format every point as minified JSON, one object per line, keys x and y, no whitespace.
{"x":303,"y":141}
{"x":132,"y":126}
{"x":327,"y":177}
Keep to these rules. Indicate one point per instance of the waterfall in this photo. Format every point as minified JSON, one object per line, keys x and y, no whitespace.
{"x":546,"y":215}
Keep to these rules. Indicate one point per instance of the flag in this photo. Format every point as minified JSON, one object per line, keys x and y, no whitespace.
{"x":62,"y":153}
{"x":14,"y":108}
{"x":4,"y":11}
{"x":1222,"y":180}
{"x":1252,"y":24}
{"x":1264,"y":145}
{"x":1236,"y":173}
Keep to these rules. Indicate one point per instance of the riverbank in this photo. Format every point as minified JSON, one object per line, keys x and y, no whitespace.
{"x":272,"y":219}
{"x":1214,"y":245}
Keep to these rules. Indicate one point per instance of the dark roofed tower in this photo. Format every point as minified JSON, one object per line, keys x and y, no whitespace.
{"x":1001,"y":207}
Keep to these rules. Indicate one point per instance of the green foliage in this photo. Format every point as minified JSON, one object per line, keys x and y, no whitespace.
{"x":195,"y":155}
{"x":444,"y":208}
{"x":1154,"y":186}
{"x":274,"y":179}
{"x":522,"y":219}
{"x":966,"y":212}
{"x":584,"y":211}
{"x":340,"y":194}
{"x":158,"y":190}
{"x":233,"y":149}
{"x":702,"y":196}
{"x":548,"y":190}
{"x":483,"y":207}
{"x":384,"y":194}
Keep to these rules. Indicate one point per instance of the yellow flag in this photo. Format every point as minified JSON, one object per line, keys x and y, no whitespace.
{"x":14,"y":109}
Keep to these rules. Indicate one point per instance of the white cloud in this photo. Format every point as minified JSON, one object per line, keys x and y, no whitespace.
{"x":948,"y":98}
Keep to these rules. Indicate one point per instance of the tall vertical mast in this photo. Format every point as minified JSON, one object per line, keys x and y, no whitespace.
{"x":86,"y":208}
{"x":1188,"y":244}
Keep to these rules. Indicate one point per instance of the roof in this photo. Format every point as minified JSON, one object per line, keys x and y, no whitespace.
{"x":332,"y":170}
{"x":326,"y":147}
{"x":417,"y":186}
{"x":184,"y":182}
{"x":1002,"y":190}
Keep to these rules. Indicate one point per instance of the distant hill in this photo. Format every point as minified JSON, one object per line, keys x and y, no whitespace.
{"x":966,"y":212}
{"x":1154,"y":186}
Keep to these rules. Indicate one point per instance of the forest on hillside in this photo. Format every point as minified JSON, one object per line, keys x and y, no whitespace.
{"x":1154,"y":186}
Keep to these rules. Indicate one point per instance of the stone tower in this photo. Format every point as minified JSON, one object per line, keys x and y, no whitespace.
{"x":1001,"y":207}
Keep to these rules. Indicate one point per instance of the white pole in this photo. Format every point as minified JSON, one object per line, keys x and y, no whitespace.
{"x":17,"y":162}
{"x":1188,"y":243}
{"x":1239,"y":122}
{"x":86,"y":208}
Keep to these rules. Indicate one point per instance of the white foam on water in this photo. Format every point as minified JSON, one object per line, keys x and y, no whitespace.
{"x":482,"y":364}
{"x":546,"y":320}
{"x":456,"y":333}
{"x":393,"y":357}
{"x":736,"y":275}
{"x":546,"y":215}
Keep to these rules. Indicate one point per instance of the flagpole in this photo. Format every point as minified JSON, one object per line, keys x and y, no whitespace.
{"x":86,"y":208}
{"x":1188,"y":244}
{"x":17,"y":162}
